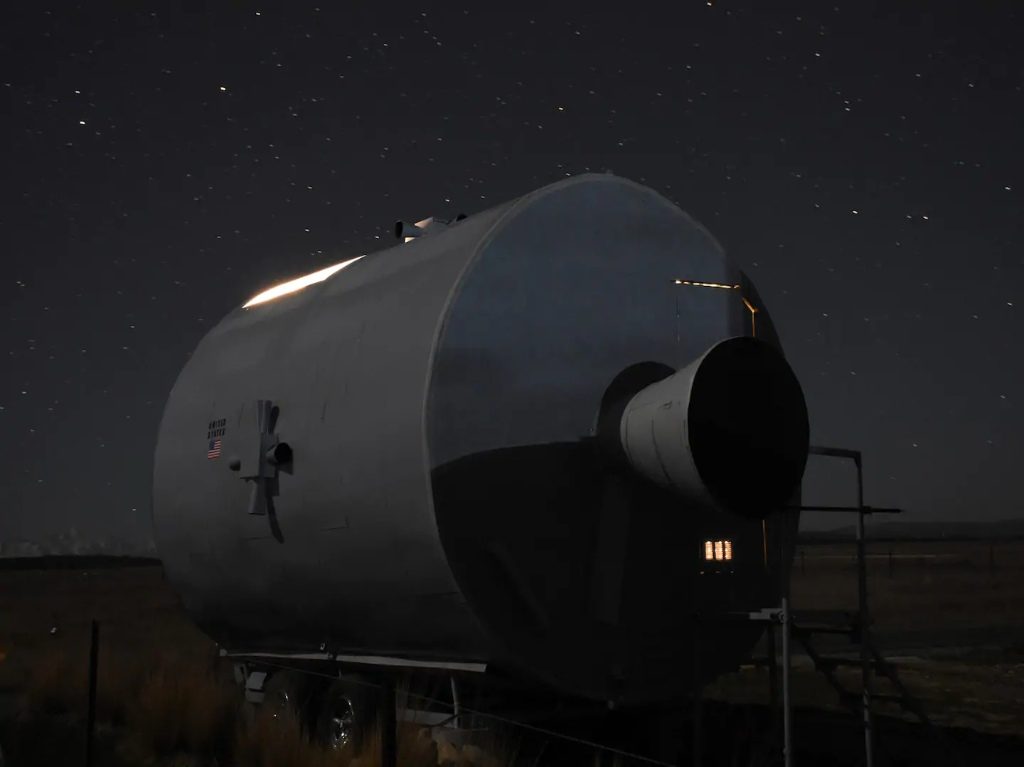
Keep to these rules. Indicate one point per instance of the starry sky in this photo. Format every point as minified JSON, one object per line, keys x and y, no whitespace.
{"x":861,"y":161}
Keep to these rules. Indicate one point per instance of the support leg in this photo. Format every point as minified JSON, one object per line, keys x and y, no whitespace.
{"x":388,"y":726}
{"x":787,"y":709}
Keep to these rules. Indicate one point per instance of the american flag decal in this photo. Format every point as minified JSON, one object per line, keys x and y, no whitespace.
{"x":214,"y":432}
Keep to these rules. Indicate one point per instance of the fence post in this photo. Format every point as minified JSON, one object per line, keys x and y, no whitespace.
{"x":698,"y":697}
{"x":90,"y":726}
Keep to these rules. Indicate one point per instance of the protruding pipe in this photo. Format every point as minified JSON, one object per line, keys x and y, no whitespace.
{"x":730,"y":429}
{"x":280,"y":454}
{"x":405,"y":231}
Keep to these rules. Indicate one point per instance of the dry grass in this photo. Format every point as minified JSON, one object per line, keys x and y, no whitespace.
{"x":165,"y":701}
{"x":184,"y":707}
{"x":165,"y":704}
{"x":266,"y":740}
{"x":55,"y":685}
{"x":415,"y":748}
{"x":493,"y":748}
{"x":184,"y":710}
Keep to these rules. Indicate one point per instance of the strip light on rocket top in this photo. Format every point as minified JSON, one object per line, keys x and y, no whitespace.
{"x":297,"y":284}
{"x":694,"y":284}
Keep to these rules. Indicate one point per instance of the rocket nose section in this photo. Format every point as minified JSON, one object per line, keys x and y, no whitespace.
{"x":730,"y":429}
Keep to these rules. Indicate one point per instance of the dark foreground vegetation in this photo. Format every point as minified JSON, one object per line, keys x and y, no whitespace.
{"x":951,"y":612}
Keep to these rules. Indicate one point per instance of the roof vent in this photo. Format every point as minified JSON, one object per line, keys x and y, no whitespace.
{"x":405,"y":231}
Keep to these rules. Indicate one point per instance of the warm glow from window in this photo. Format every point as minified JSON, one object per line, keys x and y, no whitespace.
{"x":298,"y":283}
{"x":718,"y":551}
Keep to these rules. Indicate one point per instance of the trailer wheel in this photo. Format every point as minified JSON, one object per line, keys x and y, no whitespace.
{"x":289,"y":693}
{"x":346,"y":713}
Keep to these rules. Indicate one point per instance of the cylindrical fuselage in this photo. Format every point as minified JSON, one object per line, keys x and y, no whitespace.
{"x":447,"y":496}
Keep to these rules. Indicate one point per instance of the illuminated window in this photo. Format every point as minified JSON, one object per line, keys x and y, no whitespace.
{"x":718,"y":551}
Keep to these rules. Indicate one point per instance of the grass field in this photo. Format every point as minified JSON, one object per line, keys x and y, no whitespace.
{"x":938,"y":589}
{"x":952,"y":613}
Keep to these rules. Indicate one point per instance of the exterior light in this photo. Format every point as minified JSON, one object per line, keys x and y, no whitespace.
{"x":725,"y":286}
{"x":753,"y":316}
{"x":292,"y":286}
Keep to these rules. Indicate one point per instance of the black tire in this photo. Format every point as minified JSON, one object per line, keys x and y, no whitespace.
{"x":347,"y":714}
{"x":291,"y":693}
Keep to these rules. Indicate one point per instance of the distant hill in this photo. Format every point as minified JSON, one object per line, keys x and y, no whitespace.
{"x":897,"y":530}
{"x":50,"y":562}
{"x":70,"y":543}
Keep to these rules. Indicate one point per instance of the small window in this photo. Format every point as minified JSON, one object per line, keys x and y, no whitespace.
{"x":718,"y":551}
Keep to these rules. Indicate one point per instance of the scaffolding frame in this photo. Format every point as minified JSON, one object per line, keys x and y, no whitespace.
{"x":781,"y":617}
{"x":862,"y":622}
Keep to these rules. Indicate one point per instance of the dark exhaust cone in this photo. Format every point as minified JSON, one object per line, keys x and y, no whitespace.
{"x":730,"y":429}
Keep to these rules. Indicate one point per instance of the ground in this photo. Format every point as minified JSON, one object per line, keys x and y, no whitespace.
{"x":949,"y":613}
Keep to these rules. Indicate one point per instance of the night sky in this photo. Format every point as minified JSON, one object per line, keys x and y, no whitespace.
{"x":864,"y":166}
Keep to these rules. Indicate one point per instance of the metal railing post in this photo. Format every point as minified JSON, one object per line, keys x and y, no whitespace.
{"x":698,"y":698}
{"x":456,"y":708}
{"x":787,"y":711}
{"x":90,"y":724}
{"x":864,"y":619}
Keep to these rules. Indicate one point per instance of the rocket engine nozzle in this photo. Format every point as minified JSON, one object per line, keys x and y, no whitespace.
{"x":730,"y":429}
